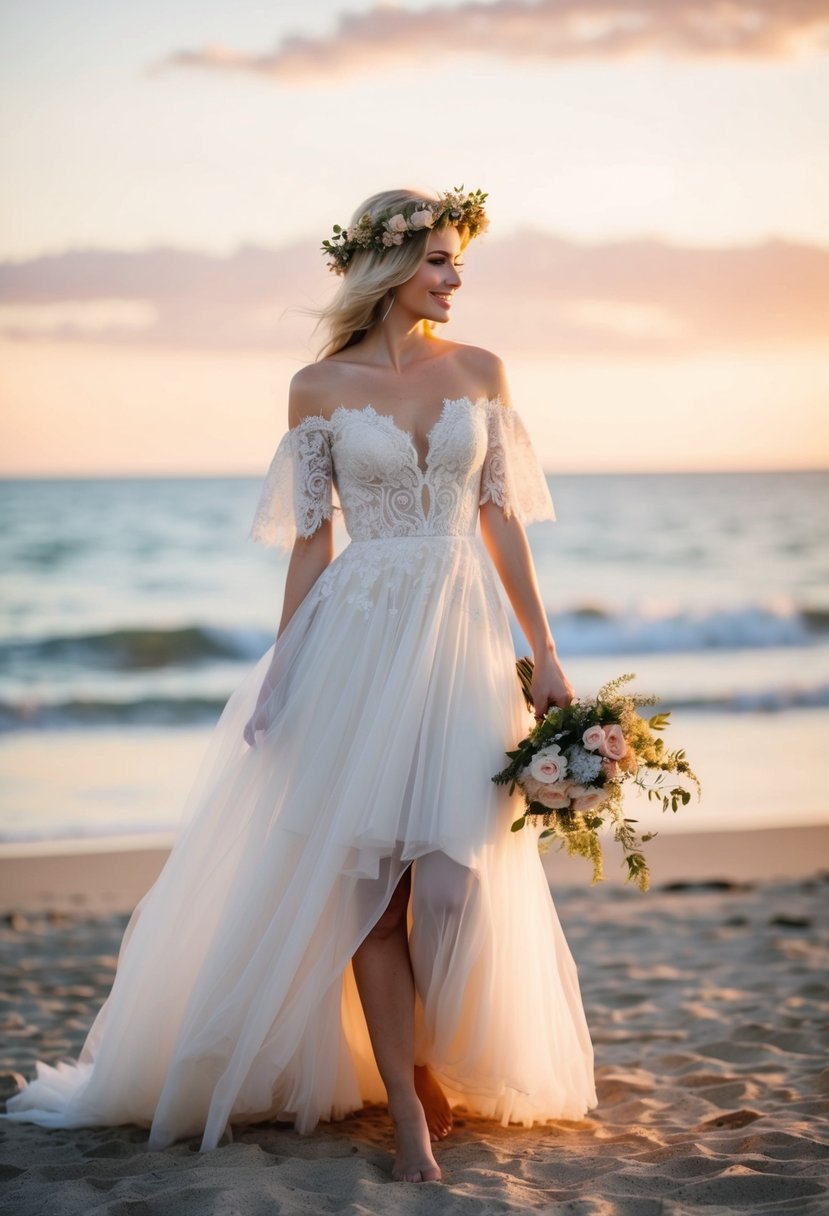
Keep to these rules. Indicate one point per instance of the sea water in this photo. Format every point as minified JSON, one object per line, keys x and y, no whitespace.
{"x":133,"y":607}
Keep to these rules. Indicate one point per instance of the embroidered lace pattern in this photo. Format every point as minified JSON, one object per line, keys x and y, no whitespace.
{"x":477,"y":452}
{"x":394,"y":571}
{"x":511,"y":476}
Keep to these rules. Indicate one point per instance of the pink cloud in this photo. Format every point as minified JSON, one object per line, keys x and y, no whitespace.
{"x":535,"y":30}
{"x":621,"y":298}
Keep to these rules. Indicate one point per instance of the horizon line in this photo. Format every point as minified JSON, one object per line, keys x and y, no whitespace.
{"x":246,"y":476}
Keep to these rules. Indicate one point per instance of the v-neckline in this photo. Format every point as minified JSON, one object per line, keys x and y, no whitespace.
{"x":423,"y":470}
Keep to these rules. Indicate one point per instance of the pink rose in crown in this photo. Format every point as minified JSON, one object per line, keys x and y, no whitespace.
{"x":548,"y":765}
{"x":614,"y":744}
{"x":592,"y":738}
{"x":397,"y":223}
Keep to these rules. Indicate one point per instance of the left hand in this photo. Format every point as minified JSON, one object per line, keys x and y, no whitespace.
{"x":256,"y":725}
{"x":550,"y":685}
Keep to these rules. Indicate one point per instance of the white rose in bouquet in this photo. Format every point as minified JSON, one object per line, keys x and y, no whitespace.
{"x":548,"y":765}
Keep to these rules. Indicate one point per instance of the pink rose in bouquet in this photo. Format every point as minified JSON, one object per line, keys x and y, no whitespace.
{"x":613,"y":744}
{"x":592,"y":738}
{"x":586,"y":798}
{"x":555,"y":797}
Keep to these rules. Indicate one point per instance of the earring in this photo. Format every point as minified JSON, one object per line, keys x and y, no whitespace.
{"x":388,"y":310}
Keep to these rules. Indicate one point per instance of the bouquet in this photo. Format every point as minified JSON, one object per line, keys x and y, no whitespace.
{"x":571,"y":767}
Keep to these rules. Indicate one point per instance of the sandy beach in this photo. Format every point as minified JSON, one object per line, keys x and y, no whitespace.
{"x":707,"y":1000}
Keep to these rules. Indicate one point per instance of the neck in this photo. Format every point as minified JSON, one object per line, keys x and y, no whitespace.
{"x":398,"y":340}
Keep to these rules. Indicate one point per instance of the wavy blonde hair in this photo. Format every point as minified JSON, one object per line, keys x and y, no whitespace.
{"x":359,"y":301}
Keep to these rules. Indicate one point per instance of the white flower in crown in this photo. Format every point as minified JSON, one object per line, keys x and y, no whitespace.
{"x":422,"y":219}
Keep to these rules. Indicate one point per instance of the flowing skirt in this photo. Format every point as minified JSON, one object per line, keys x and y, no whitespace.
{"x":393,"y":699}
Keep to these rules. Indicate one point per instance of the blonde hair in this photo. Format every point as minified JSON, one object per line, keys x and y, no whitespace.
{"x":358,"y":303}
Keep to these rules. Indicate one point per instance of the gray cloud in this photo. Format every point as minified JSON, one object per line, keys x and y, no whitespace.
{"x":539,"y":30}
{"x":617,"y":299}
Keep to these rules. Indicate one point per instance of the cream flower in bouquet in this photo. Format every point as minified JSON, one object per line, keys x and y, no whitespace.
{"x":572,"y":765}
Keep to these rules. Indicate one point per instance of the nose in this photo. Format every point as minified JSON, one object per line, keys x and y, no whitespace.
{"x":452,"y":277}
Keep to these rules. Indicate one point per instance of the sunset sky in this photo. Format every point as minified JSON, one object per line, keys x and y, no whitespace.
{"x":656,"y":273}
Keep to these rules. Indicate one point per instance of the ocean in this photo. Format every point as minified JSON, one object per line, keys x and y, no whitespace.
{"x":132,"y":608}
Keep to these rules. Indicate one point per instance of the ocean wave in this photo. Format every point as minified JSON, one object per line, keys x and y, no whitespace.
{"x":97,"y":712}
{"x":584,"y":630}
{"x":189,"y":711}
{"x":593,"y":630}
{"x":137,"y":649}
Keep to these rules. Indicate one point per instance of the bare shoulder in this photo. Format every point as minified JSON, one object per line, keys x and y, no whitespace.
{"x":486,"y":370}
{"x":307,"y":392}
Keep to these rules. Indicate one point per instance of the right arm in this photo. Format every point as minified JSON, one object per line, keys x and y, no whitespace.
{"x":309,"y":555}
{"x":308,"y":560}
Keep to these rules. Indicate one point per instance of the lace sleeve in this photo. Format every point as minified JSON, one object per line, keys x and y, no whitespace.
{"x":512,"y":476}
{"x":297,"y":491}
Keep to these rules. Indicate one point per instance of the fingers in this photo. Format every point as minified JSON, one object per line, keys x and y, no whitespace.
{"x":252,"y":734}
{"x":554,"y":705}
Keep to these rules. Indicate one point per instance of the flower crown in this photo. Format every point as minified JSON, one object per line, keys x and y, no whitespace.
{"x":391,"y":227}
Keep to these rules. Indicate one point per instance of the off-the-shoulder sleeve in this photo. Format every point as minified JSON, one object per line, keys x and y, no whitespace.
{"x":512,"y":476}
{"x":297,"y":491}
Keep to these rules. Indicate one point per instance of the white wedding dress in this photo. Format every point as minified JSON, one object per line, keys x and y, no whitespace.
{"x":384,"y":709}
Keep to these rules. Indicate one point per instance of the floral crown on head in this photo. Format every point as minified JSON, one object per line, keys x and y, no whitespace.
{"x":391,"y":228}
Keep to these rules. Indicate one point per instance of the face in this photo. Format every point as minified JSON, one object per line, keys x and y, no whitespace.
{"x":431,"y":289}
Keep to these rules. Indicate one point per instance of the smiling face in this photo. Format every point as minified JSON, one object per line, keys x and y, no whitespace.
{"x":429,"y":292}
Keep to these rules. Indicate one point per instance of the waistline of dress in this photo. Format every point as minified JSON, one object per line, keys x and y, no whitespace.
{"x":436,"y":537}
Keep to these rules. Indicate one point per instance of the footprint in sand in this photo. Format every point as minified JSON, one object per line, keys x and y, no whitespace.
{"x":734,"y":1118}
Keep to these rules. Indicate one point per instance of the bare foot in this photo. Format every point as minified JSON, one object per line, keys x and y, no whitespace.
{"x":435,"y":1105}
{"x":414,"y":1161}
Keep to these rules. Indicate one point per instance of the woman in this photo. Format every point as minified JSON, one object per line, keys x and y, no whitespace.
{"x":346,"y":913}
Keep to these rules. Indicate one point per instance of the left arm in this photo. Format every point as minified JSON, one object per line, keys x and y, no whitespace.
{"x":507,"y":545}
{"x":506,"y":542}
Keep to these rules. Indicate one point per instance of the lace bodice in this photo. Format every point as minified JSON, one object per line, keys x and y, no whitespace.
{"x":477,"y":452}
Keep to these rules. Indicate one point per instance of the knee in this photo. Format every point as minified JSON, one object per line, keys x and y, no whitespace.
{"x":444,"y":896}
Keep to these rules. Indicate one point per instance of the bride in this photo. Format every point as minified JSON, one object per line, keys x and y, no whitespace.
{"x":345,"y":915}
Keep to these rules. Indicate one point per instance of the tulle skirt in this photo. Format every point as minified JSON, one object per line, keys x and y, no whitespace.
{"x":394,"y":697}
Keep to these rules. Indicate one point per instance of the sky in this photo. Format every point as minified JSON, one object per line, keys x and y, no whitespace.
{"x":655,"y":274}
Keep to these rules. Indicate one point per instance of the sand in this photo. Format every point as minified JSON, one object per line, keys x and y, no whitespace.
{"x":707,"y":1000}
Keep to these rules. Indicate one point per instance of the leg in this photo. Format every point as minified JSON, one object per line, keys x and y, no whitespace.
{"x":383,"y":971}
{"x":443,"y":892}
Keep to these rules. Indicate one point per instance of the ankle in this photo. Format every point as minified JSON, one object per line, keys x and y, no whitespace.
{"x":403,"y":1099}
{"x":401,"y":1087}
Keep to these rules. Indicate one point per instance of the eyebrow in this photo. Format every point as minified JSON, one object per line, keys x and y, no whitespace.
{"x":445,"y":253}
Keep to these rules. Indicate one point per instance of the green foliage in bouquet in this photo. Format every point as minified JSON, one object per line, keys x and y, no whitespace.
{"x":573,"y":811}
